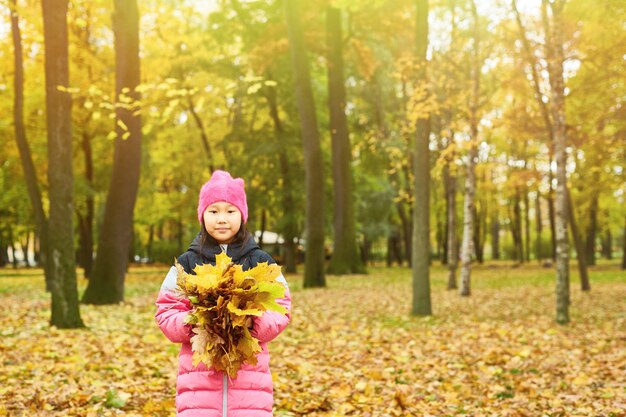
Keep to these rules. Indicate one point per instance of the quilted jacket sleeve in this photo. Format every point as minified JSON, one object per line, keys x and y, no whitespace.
{"x":172,"y":310}
{"x":271,"y":323}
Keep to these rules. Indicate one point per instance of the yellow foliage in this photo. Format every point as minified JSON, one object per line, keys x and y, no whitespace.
{"x":224,"y":296}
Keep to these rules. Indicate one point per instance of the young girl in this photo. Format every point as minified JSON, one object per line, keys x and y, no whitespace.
{"x":202,"y":391}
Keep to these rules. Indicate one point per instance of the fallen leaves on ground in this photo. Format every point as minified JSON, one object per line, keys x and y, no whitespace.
{"x":351,"y":350}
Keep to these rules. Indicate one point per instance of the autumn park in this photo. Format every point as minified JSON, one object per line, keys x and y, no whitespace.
{"x":442,"y":185}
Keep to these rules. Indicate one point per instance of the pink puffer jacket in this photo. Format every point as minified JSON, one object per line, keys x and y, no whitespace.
{"x":202,"y":392}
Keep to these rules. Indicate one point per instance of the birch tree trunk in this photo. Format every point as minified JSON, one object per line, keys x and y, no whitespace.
{"x":313,"y":164}
{"x":106,"y":285}
{"x":554,"y":57}
{"x":60,"y":256}
{"x":345,"y":258}
{"x":470,"y":178}
{"x":421,"y":164}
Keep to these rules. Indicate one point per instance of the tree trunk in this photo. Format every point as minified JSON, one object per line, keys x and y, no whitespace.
{"x":607,"y":244}
{"x":516,"y":229}
{"x":554,"y":58}
{"x":453,"y":254}
{"x":579,"y":244}
{"x":30,"y":174}
{"x":289,"y":227}
{"x":538,"y":227}
{"x":470,"y":180}
{"x":365,"y":250}
{"x":4,"y":254}
{"x":590,"y":241}
{"x":624,"y":246}
{"x":480,"y":223}
{"x":150,"y":244}
{"x":442,"y":225}
{"x":545,"y":111}
{"x":442,"y":239}
{"x":407,"y":229}
{"x":345,"y":258}
{"x":85,"y":222}
{"x":313,"y":163}
{"x":552,"y":214}
{"x":12,"y":246}
{"x":421,"y":164}
{"x":203,"y":135}
{"x":61,"y":257}
{"x":106,"y":285}
{"x":495,"y":237}
{"x":37,"y":250}
{"x":526,"y":226}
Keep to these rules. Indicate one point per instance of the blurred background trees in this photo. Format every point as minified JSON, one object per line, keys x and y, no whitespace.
{"x":218,"y":90}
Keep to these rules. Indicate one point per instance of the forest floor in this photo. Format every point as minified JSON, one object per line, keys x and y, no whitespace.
{"x":351,"y":350}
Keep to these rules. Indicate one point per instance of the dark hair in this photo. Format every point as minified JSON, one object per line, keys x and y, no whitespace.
{"x":242,"y":236}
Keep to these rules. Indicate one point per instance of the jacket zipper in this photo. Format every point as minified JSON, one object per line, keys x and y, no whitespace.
{"x":225,"y":397}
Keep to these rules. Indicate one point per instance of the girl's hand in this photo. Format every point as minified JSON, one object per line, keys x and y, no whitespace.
{"x":249,"y":323}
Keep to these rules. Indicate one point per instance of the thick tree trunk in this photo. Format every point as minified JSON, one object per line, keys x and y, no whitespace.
{"x":30,"y":174}
{"x":106,"y":285}
{"x":60,"y":255}
{"x":554,"y":58}
{"x":579,"y":244}
{"x":470,"y":179}
{"x":345,"y":258}
{"x":421,"y":164}
{"x":313,"y":163}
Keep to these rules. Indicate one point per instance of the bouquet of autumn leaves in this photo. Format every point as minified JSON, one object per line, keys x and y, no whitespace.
{"x":223,"y":297}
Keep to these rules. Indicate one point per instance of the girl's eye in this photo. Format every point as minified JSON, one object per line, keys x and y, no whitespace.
{"x":231,"y":211}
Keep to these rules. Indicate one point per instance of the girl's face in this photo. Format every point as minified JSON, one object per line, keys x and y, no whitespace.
{"x":222,"y":221}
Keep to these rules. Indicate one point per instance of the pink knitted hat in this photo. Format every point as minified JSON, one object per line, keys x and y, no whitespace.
{"x":223,"y":187}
